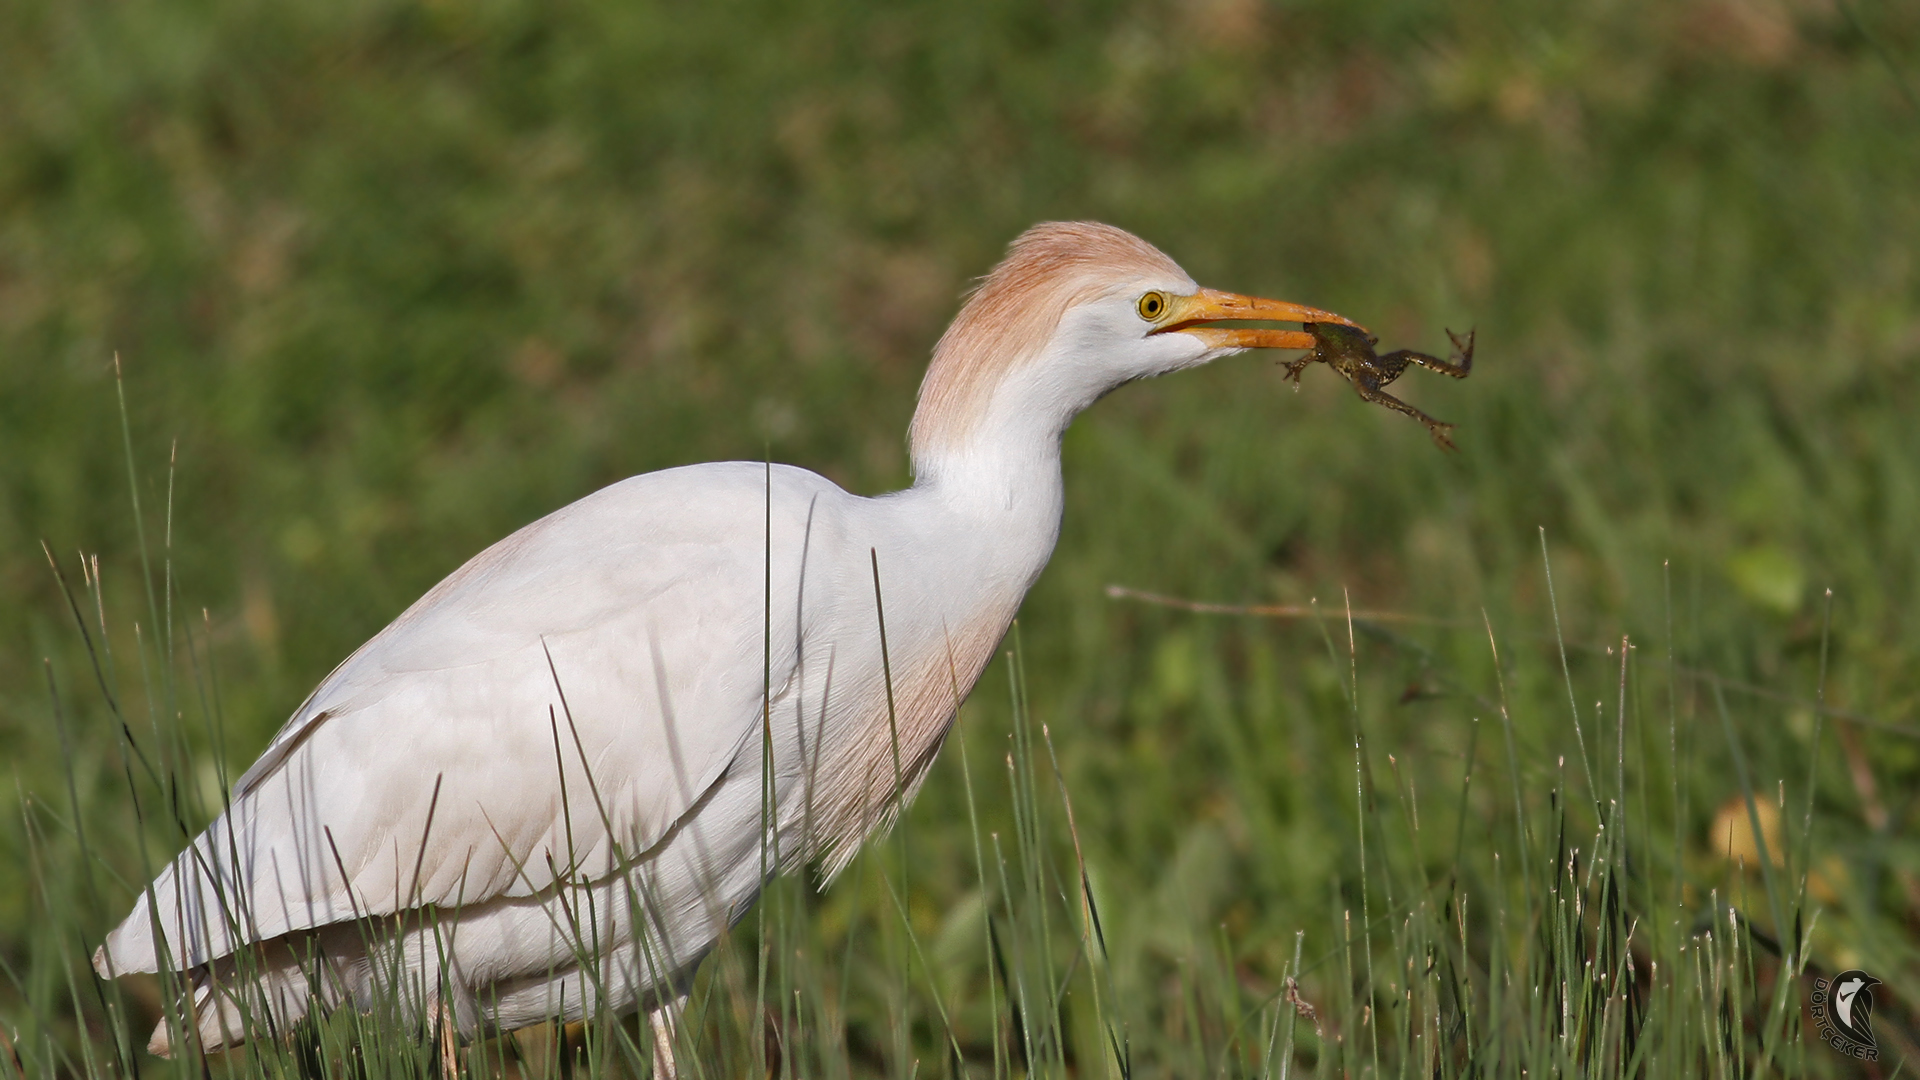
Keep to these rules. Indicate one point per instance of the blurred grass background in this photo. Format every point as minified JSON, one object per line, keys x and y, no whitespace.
{"x":389,"y":279}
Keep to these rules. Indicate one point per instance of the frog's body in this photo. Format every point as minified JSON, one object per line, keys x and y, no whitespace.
{"x":1349,"y":351}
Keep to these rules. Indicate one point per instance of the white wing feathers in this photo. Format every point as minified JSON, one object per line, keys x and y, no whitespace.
{"x":437,"y":765}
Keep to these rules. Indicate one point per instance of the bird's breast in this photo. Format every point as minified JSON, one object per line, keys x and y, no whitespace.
{"x":881,"y":669}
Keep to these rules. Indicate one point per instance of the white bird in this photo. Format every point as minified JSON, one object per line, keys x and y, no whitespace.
{"x":545,"y":789}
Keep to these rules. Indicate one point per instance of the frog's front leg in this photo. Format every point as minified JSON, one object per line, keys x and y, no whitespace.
{"x":1373,"y":393}
{"x":1461,"y":366}
{"x":1295,"y":367}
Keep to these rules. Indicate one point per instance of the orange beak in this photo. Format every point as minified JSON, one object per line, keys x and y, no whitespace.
{"x":1185,"y":313}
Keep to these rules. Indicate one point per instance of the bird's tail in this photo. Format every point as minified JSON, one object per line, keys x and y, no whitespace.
{"x":268,"y":989}
{"x":224,"y":1006}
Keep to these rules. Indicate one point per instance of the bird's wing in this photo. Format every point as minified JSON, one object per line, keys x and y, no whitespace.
{"x":553,"y":707}
{"x":1844,"y":1000}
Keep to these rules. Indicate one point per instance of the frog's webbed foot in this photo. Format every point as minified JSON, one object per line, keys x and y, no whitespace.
{"x":1463,"y":350}
{"x":1295,"y":367}
{"x":1438,"y":428}
{"x":1462,"y":360}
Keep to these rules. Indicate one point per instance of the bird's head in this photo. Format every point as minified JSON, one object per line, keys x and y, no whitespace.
{"x":1073,"y":311}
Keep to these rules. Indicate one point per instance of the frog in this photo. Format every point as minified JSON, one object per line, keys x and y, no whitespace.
{"x":1349,"y":351}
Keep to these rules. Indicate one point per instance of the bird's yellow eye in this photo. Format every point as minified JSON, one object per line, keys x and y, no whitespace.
{"x":1153,"y":305}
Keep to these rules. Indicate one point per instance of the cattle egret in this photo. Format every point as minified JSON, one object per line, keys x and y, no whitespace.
{"x":546,"y":788}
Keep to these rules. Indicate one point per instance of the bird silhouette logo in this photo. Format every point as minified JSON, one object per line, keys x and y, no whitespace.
{"x":1843,"y":1011}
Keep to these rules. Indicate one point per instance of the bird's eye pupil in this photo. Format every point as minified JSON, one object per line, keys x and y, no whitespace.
{"x":1151,"y":305}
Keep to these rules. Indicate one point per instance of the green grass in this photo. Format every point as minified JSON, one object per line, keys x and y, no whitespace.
{"x":387,"y":280}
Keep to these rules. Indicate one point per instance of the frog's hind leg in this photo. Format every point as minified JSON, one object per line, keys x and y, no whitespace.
{"x":1459,"y":368}
{"x":1438,"y":428}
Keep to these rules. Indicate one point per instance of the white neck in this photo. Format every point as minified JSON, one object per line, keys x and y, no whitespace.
{"x":988,"y":447}
{"x":1002,"y":474}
